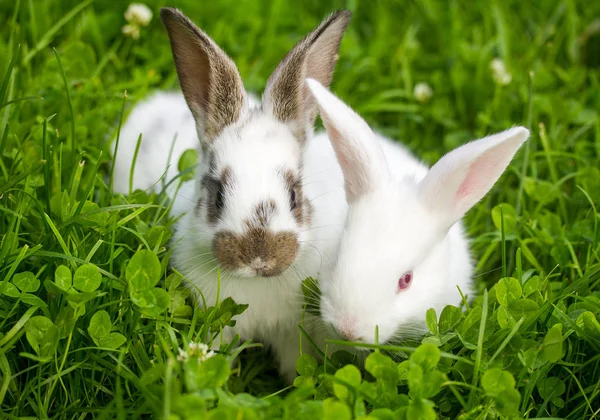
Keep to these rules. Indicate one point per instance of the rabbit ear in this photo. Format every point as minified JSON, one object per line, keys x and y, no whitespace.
{"x":358,"y":151}
{"x":465,"y":175}
{"x":210,"y":81}
{"x":286,"y":95}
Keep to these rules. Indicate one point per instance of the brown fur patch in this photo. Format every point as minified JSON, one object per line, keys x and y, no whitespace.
{"x":199,"y":206}
{"x":209,"y":79}
{"x":264,"y":211}
{"x":307,"y":212}
{"x":286,"y":95}
{"x":277,"y":251}
{"x":226,"y":177}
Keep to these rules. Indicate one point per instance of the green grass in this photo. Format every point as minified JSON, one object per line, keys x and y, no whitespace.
{"x":93,"y":339}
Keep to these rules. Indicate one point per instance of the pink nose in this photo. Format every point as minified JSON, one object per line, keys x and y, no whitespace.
{"x":348,"y":335}
{"x":347,"y":328}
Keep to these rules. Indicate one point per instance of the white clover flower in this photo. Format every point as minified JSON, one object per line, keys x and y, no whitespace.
{"x":501,"y":76}
{"x":497,"y":66}
{"x":183,"y":355}
{"x":132,"y":31}
{"x":199,"y":350}
{"x":422,"y":92}
{"x":138,"y":14}
{"x":205,"y":357}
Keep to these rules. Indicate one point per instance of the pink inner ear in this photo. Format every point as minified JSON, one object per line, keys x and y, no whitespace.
{"x":465,"y":188}
{"x":478,"y":177}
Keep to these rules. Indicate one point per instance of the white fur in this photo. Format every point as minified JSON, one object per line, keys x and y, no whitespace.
{"x":402,"y":217}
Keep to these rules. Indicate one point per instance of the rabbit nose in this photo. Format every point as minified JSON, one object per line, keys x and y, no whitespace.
{"x":348,"y":335}
{"x":258,"y":264}
{"x":347,"y":329}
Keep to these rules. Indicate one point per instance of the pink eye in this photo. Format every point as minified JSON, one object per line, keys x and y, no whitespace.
{"x":404,"y":281}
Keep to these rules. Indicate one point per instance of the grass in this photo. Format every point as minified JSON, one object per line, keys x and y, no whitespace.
{"x":83,"y":334}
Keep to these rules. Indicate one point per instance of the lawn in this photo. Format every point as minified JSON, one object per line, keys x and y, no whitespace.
{"x":77,"y":342}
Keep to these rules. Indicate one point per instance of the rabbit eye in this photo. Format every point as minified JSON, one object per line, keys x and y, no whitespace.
{"x":404,"y":281}
{"x":220,"y":196}
{"x":293,"y":202}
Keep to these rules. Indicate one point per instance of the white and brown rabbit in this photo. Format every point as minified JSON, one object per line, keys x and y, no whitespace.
{"x":267,"y":205}
{"x":403,"y":249}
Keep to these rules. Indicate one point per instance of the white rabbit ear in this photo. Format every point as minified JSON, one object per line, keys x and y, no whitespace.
{"x":465,"y":175}
{"x":358,"y":152}
{"x":210,"y":81}
{"x":286,"y":96}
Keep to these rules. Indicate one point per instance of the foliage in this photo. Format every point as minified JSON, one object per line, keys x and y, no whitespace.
{"x":94,"y":322}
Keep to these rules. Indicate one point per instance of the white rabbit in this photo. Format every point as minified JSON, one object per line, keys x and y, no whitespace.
{"x":256,"y":210}
{"x":403,"y":249}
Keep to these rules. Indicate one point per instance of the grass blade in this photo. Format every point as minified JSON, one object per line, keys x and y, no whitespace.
{"x":47,"y":38}
{"x":70,"y":104}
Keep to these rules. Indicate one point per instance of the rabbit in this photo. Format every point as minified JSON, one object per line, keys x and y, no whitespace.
{"x":160,"y":119}
{"x":165,"y":122}
{"x":403,"y":249}
{"x":267,"y":204}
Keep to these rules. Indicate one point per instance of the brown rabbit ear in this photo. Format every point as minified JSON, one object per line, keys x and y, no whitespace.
{"x":210,"y":81}
{"x":286,"y":95}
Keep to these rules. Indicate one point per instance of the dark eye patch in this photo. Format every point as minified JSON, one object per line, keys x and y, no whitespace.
{"x":300,"y":207}
{"x":215,"y":194}
{"x":215,"y":199}
{"x":293,"y":201}
{"x":219,"y":196}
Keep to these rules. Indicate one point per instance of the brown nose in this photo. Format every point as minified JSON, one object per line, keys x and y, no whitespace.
{"x":267,"y":252}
